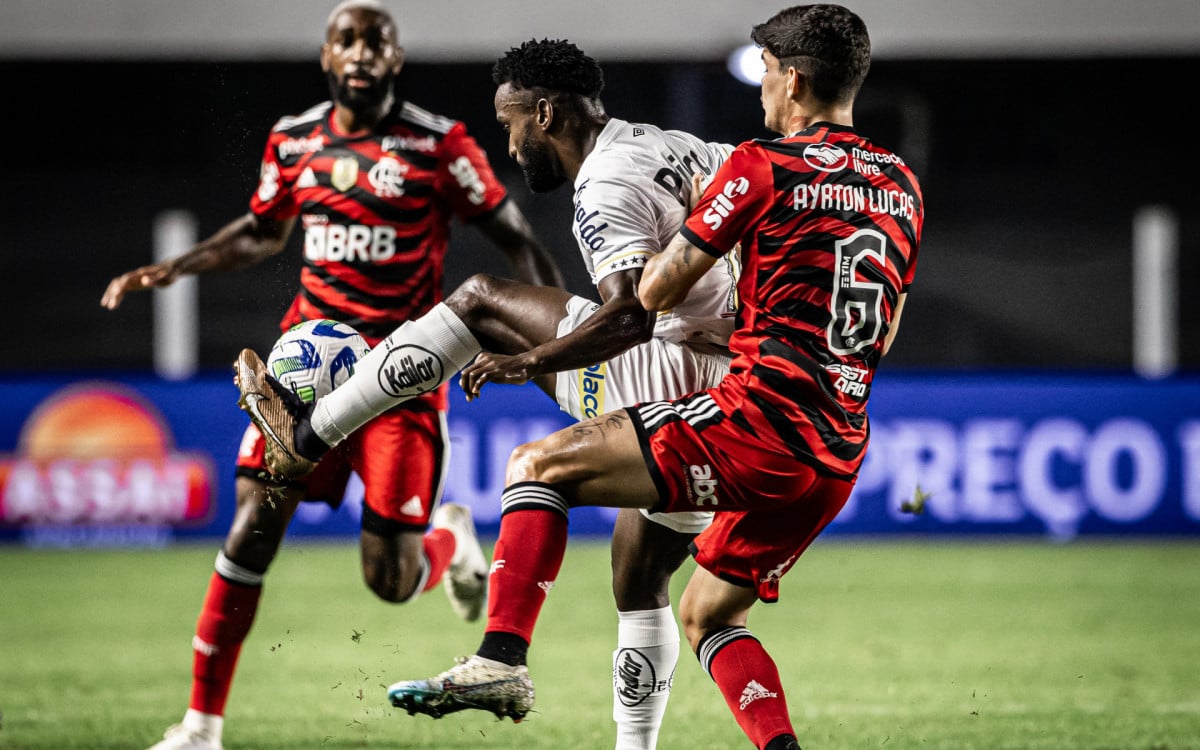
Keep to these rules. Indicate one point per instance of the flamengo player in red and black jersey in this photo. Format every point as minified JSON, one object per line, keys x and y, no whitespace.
{"x":375,"y":184}
{"x":828,"y":224}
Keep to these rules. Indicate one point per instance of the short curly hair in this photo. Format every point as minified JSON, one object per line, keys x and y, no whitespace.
{"x":551,"y":64}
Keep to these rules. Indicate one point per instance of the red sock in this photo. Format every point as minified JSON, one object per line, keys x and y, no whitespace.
{"x":224,"y":622}
{"x":528,"y":556}
{"x":749,"y":681}
{"x":439,"y":549}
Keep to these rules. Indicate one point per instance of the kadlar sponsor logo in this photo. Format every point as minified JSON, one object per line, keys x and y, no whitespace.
{"x":410,"y":370}
{"x":635,"y":679}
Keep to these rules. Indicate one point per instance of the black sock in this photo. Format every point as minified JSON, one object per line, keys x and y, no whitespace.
{"x":506,"y":648}
{"x":308,"y":443}
{"x":783,"y":742}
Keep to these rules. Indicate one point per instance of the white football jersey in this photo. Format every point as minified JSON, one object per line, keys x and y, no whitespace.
{"x":631,"y":197}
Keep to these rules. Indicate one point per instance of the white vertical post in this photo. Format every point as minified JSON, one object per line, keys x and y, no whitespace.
{"x":176,"y":326}
{"x":1155,"y":293}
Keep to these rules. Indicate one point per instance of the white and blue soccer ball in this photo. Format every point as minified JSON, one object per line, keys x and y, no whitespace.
{"x":316,"y":356}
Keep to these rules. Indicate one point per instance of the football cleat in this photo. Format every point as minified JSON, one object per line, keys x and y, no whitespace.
{"x":273,"y":409}
{"x":472,"y":683}
{"x":467,"y":575}
{"x":179,"y":737}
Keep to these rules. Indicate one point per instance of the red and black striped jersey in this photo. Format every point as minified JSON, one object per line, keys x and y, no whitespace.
{"x":375,"y":209}
{"x":829,"y":225}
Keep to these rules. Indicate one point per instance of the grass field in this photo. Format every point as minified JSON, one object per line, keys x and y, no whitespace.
{"x":882,"y":644}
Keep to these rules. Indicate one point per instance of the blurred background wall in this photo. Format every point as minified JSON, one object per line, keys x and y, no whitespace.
{"x":1047,"y":380}
{"x":1040,"y":130}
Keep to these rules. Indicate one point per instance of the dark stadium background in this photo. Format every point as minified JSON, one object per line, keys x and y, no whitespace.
{"x":1032,"y":170}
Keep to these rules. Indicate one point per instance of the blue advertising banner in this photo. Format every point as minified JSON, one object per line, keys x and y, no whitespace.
{"x":135,"y":460}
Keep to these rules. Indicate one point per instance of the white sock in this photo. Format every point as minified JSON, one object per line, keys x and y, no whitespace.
{"x":643,"y":669}
{"x":209,"y":725}
{"x":415,"y":358}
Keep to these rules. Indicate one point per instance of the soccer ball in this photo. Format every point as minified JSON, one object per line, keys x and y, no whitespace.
{"x":316,"y":356}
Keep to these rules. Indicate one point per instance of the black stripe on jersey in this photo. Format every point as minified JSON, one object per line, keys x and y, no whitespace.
{"x":813,"y":367}
{"x":419,"y":159}
{"x":337,"y":313}
{"x":386,"y":212}
{"x":374,"y":329}
{"x":396,"y":273}
{"x":406,"y":284}
{"x":786,"y":427}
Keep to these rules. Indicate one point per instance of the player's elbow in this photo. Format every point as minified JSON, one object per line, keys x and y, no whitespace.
{"x":655,"y":295}
{"x":636,"y":326}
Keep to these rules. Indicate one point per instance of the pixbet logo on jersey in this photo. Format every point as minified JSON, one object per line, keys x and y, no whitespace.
{"x":98,"y":454}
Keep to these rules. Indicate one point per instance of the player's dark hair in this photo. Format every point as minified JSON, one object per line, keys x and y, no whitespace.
{"x":555,"y":65}
{"x":828,"y":43}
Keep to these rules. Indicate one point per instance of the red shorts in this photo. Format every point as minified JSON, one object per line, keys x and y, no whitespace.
{"x":768,"y":507}
{"x":400,"y":456}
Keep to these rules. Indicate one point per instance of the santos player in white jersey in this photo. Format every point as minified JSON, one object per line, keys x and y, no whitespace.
{"x":633,"y":186}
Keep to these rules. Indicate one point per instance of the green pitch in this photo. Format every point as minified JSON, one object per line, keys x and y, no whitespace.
{"x":882,"y":644}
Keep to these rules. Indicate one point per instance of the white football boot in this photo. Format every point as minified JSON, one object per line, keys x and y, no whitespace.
{"x":475,"y":683}
{"x":180,"y":737}
{"x":467,"y":575}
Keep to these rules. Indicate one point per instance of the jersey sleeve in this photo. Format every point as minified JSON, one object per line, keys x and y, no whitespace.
{"x":614,"y":223}
{"x":273,"y":199}
{"x":740,"y":192}
{"x":465,"y":177}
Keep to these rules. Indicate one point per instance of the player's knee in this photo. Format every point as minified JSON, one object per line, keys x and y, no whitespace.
{"x":541,"y":461}
{"x":471,"y":298}
{"x":396,"y":584}
{"x":635,"y":588}
{"x":693,"y":628}
{"x":392,"y":565}
{"x":525,"y":464}
{"x":699,"y":620}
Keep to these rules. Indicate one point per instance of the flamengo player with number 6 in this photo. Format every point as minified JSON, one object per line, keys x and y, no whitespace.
{"x":374,"y":184}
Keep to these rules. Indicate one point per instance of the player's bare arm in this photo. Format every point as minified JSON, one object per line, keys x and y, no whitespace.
{"x":619,"y":324}
{"x":531,"y":262}
{"x":670,"y":274}
{"x":243,"y":242}
{"x":895,"y":325}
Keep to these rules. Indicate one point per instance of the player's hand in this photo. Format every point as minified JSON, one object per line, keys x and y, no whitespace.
{"x":146,"y":277}
{"x":699,"y":183}
{"x":494,"y":368}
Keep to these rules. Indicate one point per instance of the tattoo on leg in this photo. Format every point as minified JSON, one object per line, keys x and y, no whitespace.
{"x":601,"y":425}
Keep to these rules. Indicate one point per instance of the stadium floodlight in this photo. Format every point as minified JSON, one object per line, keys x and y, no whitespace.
{"x":745,"y":63}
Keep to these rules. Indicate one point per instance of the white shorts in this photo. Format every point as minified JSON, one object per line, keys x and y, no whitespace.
{"x":657,"y":370}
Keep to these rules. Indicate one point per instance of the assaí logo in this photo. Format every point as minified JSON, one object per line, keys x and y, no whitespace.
{"x":96,"y":454}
